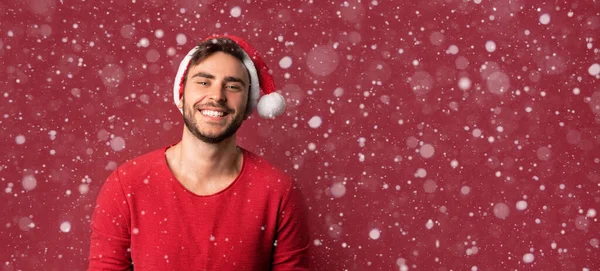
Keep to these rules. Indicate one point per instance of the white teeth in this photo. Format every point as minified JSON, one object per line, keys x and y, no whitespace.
{"x":211,"y":113}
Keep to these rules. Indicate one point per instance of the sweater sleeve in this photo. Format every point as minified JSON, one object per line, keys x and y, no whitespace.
{"x":292,"y":243}
{"x":110,"y":241}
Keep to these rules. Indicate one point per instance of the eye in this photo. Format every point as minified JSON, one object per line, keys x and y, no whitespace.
{"x":233,"y":87}
{"x":203,"y":83}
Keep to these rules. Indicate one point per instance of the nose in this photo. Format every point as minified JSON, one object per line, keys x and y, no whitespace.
{"x":217,"y":93}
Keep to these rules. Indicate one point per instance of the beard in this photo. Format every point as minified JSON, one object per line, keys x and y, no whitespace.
{"x":192,"y":124}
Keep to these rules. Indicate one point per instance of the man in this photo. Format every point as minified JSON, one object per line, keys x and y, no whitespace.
{"x":205,"y":203}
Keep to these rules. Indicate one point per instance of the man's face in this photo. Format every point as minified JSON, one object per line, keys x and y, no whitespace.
{"x":215,"y":97}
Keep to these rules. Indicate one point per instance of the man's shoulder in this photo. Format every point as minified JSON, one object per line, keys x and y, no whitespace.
{"x":142,"y":164}
{"x":260,"y":167}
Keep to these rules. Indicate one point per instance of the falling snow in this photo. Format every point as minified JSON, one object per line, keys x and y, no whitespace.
{"x":20,"y":139}
{"x":594,"y":69}
{"x":490,"y":46}
{"x":545,"y":18}
{"x":29,"y":182}
{"x":315,"y":122}
{"x":65,"y":226}
{"x":501,"y":210}
{"x":374,"y":234}
{"x":451,"y":135}
{"x":236,"y":12}
{"x":429,"y":224}
{"x":426,"y":151}
{"x":117,"y":143}
{"x":285,"y":62}
{"x":528,"y":258}
{"x":464,"y":83}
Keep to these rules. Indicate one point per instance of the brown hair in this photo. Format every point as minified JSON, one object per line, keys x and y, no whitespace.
{"x":211,"y":46}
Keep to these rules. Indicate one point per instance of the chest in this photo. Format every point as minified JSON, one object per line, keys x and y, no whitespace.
{"x":235,"y":230}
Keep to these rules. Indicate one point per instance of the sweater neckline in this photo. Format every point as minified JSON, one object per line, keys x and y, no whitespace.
{"x":172,"y":177}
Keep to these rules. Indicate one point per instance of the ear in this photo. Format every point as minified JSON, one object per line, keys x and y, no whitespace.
{"x":180,"y":103}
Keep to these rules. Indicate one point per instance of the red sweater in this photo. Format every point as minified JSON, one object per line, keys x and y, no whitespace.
{"x":145,"y":218}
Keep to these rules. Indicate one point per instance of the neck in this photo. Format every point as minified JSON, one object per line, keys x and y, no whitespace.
{"x":202,"y":167}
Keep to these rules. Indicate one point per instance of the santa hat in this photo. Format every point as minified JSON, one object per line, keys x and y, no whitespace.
{"x":271,"y":105}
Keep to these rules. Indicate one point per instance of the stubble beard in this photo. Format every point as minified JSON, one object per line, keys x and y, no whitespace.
{"x":193,"y":127}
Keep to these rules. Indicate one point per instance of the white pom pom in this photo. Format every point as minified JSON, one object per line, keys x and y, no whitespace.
{"x":271,"y":105}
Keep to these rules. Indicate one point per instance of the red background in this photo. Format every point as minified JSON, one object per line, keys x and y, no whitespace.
{"x":80,"y":78}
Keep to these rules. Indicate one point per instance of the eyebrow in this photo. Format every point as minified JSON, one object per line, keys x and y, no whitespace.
{"x":202,"y":74}
{"x":234,"y":79}
{"x":226,"y":79}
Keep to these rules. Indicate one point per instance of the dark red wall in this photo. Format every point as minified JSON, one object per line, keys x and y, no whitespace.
{"x":454,"y":135}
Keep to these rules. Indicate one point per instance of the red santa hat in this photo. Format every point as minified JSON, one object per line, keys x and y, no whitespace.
{"x":271,"y":105}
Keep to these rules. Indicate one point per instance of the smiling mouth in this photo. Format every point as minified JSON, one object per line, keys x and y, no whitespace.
{"x":213,"y":113}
